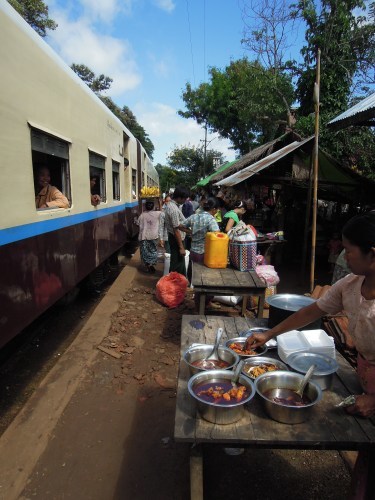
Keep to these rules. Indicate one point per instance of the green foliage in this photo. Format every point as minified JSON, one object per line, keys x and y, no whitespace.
{"x":347,"y":52}
{"x":167,"y":177}
{"x":96,"y":83}
{"x":130,"y":122}
{"x":244,"y":103}
{"x":190,"y":164}
{"x":35,"y":13}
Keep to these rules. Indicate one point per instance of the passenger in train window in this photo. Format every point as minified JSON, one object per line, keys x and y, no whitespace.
{"x":95,"y":198}
{"x":48,"y":196}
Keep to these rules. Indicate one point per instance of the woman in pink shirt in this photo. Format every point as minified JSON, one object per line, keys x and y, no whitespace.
{"x":355,"y":294}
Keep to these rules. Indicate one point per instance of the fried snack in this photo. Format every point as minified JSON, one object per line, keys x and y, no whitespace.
{"x":239,"y":349}
{"x":255,"y":371}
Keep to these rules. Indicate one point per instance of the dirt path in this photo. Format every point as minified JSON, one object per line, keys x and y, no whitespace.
{"x":115,"y":438}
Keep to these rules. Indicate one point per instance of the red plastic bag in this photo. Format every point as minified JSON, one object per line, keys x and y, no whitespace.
{"x":171,"y":289}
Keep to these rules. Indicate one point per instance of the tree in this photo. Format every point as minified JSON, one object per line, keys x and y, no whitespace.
{"x":347,"y":52}
{"x":241,"y":103}
{"x":190,"y":162}
{"x":97,"y":84}
{"x":130,"y":122}
{"x":35,"y":13}
{"x":167,"y":177}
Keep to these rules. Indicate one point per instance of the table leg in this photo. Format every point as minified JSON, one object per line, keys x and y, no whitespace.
{"x":261,"y":304}
{"x":196,"y":473}
{"x":202,"y":303}
{"x":244,"y":303}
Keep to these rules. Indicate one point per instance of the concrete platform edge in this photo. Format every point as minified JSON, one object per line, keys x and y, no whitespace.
{"x":31,"y":430}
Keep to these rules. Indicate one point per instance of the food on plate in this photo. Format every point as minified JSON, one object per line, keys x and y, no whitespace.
{"x":239,"y":349}
{"x":221,"y":392}
{"x":255,"y":371}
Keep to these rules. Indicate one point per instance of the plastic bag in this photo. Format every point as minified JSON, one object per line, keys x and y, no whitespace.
{"x":269,"y":274}
{"x":171,"y":289}
{"x":242,"y":232}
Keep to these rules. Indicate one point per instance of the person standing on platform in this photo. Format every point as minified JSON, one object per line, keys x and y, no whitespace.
{"x":173,"y":221}
{"x":148,"y":236}
{"x":163,"y":233}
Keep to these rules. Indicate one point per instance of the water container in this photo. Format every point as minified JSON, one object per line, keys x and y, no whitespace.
{"x":167,"y":261}
{"x":216,"y":250}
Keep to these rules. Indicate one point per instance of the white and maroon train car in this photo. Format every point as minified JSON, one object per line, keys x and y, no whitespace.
{"x":49,"y":117}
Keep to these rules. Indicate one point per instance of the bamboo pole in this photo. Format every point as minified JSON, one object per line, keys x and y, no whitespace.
{"x":315,"y":172}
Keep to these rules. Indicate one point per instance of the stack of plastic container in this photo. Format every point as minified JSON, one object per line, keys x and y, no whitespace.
{"x":306,"y":340}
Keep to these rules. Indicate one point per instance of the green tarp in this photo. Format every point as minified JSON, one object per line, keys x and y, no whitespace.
{"x":222,"y":168}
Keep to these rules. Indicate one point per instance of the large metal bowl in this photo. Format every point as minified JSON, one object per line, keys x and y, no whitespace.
{"x":252,"y":362}
{"x":284,"y":413}
{"x":216,"y":413}
{"x":325,"y":366}
{"x":201,"y":351}
{"x":241,"y":340}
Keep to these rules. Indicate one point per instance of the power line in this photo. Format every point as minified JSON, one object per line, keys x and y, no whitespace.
{"x":204,"y":40}
{"x":191,"y":44}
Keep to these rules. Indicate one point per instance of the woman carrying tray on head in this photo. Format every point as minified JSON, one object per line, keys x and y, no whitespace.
{"x":232,"y":218}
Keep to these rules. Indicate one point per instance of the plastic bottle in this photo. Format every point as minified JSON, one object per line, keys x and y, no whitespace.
{"x":216,"y":250}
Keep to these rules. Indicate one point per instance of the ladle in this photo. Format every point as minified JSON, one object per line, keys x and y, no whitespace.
{"x":305,"y":380}
{"x":209,"y":362}
{"x":237,"y":373}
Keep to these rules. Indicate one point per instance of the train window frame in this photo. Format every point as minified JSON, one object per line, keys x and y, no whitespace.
{"x":116,"y":180}
{"x":134,"y":181}
{"x":52,"y":152}
{"x":97,"y":169}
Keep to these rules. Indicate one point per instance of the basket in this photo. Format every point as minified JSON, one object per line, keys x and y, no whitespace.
{"x":243,"y":254}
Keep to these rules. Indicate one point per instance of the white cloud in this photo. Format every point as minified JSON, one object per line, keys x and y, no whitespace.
{"x":77,"y":42}
{"x":167,"y":130}
{"x":160,"y":67}
{"x":167,"y":5}
{"x":105,"y":10}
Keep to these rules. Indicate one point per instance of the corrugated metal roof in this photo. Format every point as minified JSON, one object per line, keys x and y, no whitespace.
{"x":256,"y":167}
{"x":362,"y":112}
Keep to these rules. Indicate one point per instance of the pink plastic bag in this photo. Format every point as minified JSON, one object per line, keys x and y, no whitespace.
{"x":171,"y":289}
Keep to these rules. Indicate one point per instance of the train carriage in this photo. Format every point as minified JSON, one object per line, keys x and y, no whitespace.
{"x":49,"y":117}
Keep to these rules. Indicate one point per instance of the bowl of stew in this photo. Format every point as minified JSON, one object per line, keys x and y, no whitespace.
{"x":217,"y":400}
{"x":195,"y":357}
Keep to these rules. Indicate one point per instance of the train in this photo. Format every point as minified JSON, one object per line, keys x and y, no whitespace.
{"x":49,"y":117}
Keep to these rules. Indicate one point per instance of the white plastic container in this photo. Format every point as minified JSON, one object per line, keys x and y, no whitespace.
{"x":167,"y":262}
{"x":306,"y":340}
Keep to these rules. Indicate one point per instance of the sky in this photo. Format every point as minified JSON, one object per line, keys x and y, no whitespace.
{"x":151,"y":49}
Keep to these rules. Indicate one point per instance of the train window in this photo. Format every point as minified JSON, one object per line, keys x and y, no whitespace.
{"x":53,"y":154}
{"x":116,"y":180}
{"x":134,"y":182}
{"x":97,"y":170}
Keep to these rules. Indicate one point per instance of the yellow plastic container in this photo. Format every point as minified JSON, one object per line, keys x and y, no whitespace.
{"x":216,"y":250}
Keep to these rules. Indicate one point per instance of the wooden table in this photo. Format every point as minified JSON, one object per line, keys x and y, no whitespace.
{"x":229,"y":281}
{"x":329,"y":428}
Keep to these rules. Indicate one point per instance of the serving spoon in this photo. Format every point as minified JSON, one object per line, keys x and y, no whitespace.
{"x":305,"y":380}
{"x":209,"y":361}
{"x":237,"y":373}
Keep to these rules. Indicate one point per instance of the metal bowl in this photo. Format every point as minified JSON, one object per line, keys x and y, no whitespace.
{"x":251,"y":363}
{"x":241,"y":340}
{"x":284,"y":413}
{"x":214,"y":412}
{"x":201,"y":351}
{"x":325,"y":366}
{"x":271,"y":344}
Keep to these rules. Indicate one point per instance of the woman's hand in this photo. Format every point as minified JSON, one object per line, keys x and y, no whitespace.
{"x":161,"y":242}
{"x":364,"y":406}
{"x":256,"y":340}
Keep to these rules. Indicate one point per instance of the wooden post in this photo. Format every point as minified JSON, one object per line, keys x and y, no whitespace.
{"x":315,"y":172}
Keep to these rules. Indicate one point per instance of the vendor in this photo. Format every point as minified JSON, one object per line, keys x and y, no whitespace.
{"x":355,"y":294}
{"x":232,"y":218}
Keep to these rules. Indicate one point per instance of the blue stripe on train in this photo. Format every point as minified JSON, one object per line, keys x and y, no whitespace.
{"x":17,"y":233}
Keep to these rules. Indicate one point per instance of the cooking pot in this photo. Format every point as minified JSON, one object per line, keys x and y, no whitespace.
{"x":283,"y":305}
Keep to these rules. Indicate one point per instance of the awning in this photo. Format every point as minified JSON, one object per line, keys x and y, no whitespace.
{"x":256,"y":167}
{"x":221,"y":169}
{"x":362,"y":113}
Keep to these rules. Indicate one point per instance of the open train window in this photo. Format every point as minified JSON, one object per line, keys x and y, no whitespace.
{"x":53,"y":153}
{"x":116,"y":179}
{"x":134,"y":182}
{"x":97,"y":171}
